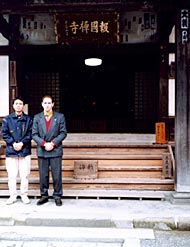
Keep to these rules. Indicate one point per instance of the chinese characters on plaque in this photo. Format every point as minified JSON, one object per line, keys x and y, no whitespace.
{"x":184,"y":25}
{"x":85,"y":169}
{"x":160,"y":133}
{"x":87,"y":28}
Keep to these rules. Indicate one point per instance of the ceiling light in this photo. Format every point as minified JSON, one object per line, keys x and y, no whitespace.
{"x":93,"y":61}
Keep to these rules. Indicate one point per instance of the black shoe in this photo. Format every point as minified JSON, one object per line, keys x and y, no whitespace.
{"x":58,"y":202}
{"x":42,"y":201}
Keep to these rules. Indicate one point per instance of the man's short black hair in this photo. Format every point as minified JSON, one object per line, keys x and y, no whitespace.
{"x":48,"y":96}
{"x":18,"y":98}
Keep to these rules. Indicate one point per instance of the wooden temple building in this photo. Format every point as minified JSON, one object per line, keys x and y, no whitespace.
{"x":128,"y":119}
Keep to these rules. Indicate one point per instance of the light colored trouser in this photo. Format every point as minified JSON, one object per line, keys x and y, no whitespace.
{"x":15,"y":166}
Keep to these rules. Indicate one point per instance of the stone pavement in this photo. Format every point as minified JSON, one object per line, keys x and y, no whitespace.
{"x":125,"y":213}
{"x":89,"y":222}
{"x":73,"y":236}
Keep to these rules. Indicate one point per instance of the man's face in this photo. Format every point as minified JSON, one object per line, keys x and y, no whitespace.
{"x":18,"y":106}
{"x":47,"y":104}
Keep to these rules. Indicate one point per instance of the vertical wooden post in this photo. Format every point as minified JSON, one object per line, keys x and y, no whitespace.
{"x":14,"y":21}
{"x":12,"y":83}
{"x":182,"y":120}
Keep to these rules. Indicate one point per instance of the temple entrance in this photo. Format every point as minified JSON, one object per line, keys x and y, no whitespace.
{"x":119,"y":96}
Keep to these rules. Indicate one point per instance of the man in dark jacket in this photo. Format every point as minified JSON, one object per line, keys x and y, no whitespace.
{"x":48,"y":131}
{"x":17,"y":133}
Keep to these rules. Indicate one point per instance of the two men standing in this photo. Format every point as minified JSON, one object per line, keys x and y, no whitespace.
{"x":48,"y":130}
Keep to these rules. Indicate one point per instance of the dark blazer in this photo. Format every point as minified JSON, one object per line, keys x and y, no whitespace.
{"x":57,"y":133}
{"x":17,"y":130}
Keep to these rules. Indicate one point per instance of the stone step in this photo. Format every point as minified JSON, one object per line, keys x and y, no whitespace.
{"x":121,"y":237}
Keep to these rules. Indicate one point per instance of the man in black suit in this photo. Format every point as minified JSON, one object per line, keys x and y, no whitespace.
{"x":48,"y":131}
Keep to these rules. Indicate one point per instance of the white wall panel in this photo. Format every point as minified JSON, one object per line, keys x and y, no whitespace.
{"x":4,"y":85}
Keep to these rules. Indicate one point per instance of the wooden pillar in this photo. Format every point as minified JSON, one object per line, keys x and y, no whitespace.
{"x":14,"y":21}
{"x":12,"y":83}
{"x":182,"y":120}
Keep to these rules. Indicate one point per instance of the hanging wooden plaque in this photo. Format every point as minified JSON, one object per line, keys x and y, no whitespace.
{"x":101,"y":28}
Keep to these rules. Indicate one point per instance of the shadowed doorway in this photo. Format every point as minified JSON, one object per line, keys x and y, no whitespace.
{"x":121,"y":95}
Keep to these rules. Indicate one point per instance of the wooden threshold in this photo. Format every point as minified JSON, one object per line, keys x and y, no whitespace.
{"x":103,"y":194}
